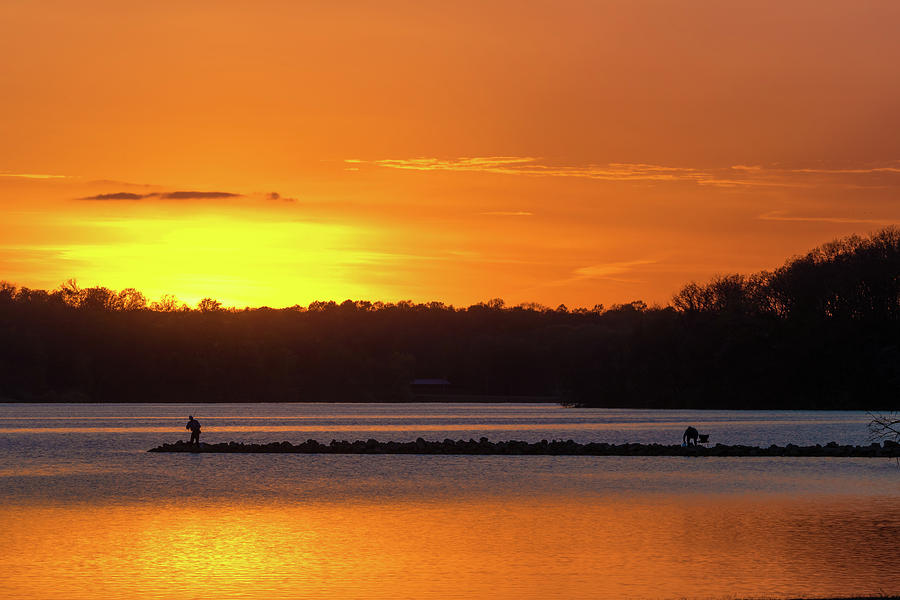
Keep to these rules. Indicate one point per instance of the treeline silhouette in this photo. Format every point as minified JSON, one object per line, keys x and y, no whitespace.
{"x":820,"y":332}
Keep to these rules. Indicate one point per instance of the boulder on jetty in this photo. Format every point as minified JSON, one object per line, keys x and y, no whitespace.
{"x":518,"y":448}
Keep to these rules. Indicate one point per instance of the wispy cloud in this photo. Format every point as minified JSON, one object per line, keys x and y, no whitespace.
{"x":609,"y":270}
{"x":735,"y":176}
{"x":491,"y":164}
{"x":185,"y":196}
{"x":33,"y":176}
{"x":508,"y":213}
{"x":532,"y":166}
{"x":779,"y":215}
{"x":848,"y":171}
{"x":116,"y":182}
{"x":118,"y":196}
{"x":528,"y":165}
{"x":275,"y":196}
{"x":180,"y":195}
{"x":192,"y":195}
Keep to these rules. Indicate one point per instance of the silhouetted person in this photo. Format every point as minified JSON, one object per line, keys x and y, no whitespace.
{"x":194,"y":425}
{"x":690,"y":436}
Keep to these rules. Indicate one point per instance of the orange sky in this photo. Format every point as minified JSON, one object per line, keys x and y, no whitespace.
{"x":272,"y":153}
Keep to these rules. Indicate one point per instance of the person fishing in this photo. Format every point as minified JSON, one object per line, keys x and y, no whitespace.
{"x":194,"y":425}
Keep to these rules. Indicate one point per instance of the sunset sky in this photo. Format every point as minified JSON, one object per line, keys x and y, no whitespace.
{"x":273,"y":153}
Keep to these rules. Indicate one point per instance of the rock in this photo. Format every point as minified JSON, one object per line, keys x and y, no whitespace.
{"x":518,"y":447}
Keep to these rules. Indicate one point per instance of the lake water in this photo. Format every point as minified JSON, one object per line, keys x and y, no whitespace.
{"x":86,"y":512}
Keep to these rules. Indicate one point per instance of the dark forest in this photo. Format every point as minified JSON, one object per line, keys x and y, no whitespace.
{"x":820,"y":332}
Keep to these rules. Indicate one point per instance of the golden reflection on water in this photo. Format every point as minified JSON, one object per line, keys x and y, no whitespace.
{"x":660,"y":547}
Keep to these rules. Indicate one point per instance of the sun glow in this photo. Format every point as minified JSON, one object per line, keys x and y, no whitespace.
{"x":238,"y":261}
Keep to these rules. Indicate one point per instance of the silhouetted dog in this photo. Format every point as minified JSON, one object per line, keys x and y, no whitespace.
{"x":690,"y":436}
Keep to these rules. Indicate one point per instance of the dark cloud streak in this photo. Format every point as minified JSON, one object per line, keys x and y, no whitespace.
{"x":277,"y":196}
{"x":118,"y":196}
{"x":180,"y":195}
{"x":191,"y":195}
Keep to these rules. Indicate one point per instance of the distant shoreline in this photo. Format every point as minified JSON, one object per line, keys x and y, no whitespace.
{"x":418,"y":399}
{"x":454,"y":399}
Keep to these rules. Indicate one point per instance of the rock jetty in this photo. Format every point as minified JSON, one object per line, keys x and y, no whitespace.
{"x":544,"y":448}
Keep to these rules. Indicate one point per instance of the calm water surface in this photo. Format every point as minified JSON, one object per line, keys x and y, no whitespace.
{"x":85,"y":512}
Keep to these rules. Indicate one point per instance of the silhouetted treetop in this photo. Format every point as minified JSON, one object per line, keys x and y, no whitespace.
{"x":848,"y":278}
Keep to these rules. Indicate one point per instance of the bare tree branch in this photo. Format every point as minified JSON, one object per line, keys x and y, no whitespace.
{"x":884,"y":426}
